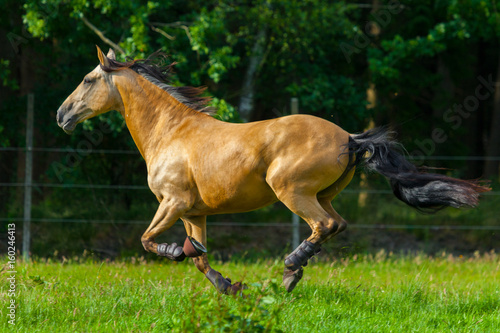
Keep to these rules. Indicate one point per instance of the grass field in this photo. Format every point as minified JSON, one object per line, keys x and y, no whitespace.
{"x":380,"y":293}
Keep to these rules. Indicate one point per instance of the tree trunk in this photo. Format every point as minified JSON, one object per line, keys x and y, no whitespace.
{"x":491,"y":168}
{"x":248,"y":90}
{"x":371,"y":98}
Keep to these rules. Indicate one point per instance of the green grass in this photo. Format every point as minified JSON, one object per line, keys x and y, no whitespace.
{"x":379,"y":293}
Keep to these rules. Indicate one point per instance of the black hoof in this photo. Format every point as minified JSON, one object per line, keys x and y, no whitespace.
{"x":236,"y":288}
{"x":222,"y":285}
{"x":291,"y":278}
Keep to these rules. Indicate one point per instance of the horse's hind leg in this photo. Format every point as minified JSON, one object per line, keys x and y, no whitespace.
{"x":323,"y":226}
{"x":196,"y":227}
{"x":325,"y":198}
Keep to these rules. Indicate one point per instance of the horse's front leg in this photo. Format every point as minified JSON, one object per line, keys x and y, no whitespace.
{"x":167,"y":214}
{"x":196,"y":227}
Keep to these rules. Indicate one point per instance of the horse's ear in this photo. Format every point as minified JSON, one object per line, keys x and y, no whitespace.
{"x":111,"y":54}
{"x":103,"y":60}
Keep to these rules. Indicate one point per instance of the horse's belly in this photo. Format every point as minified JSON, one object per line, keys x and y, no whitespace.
{"x":234,"y":197}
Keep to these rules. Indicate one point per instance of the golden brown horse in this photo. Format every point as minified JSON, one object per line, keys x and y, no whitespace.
{"x":199,"y":166}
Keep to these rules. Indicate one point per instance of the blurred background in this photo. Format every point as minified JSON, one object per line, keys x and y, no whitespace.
{"x":427,"y":69}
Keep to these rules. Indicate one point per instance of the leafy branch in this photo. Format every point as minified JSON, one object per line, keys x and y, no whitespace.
{"x":101,"y":35}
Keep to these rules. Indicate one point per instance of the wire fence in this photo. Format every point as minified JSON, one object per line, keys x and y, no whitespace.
{"x":269,"y":224}
{"x":135,"y":152}
{"x":228,"y":224}
{"x":87,"y":147}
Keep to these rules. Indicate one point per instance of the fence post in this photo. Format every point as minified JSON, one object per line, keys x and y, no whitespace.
{"x":28,"y":175}
{"x":295,"y":218}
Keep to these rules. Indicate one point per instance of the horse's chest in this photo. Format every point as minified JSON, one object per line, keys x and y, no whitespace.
{"x":168,"y":176}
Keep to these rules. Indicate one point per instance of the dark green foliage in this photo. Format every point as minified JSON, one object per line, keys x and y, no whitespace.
{"x":418,"y":58}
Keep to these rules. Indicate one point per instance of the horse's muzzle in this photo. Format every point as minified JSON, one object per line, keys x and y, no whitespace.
{"x":65,"y":120}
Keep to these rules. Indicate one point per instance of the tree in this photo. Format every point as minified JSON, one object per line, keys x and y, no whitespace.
{"x":433,"y":62}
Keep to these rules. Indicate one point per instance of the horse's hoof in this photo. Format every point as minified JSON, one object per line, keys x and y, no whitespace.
{"x":291,"y":278}
{"x":236,"y":288}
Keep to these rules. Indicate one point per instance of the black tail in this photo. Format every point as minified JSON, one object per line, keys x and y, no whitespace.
{"x":421,"y":190}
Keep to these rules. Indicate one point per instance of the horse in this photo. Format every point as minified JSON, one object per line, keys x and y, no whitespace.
{"x":198,"y":165}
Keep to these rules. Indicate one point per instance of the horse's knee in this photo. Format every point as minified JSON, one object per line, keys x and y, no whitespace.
{"x":147,"y":243}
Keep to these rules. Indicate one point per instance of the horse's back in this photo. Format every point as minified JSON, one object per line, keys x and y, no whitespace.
{"x":299,"y":130}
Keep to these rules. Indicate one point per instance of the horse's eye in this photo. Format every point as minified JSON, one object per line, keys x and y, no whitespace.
{"x":87,"y":80}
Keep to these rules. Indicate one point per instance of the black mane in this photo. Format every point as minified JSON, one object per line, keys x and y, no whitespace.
{"x":156,"y":71}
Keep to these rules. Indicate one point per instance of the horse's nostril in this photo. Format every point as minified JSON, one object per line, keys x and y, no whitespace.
{"x":70,"y":106}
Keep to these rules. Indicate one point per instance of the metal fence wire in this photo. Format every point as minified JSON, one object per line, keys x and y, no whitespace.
{"x":28,"y":185}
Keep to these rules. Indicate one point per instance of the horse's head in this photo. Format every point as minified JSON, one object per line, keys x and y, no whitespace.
{"x":95,"y":95}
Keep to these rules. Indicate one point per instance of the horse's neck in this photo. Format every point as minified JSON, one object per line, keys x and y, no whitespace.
{"x":152,"y":115}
